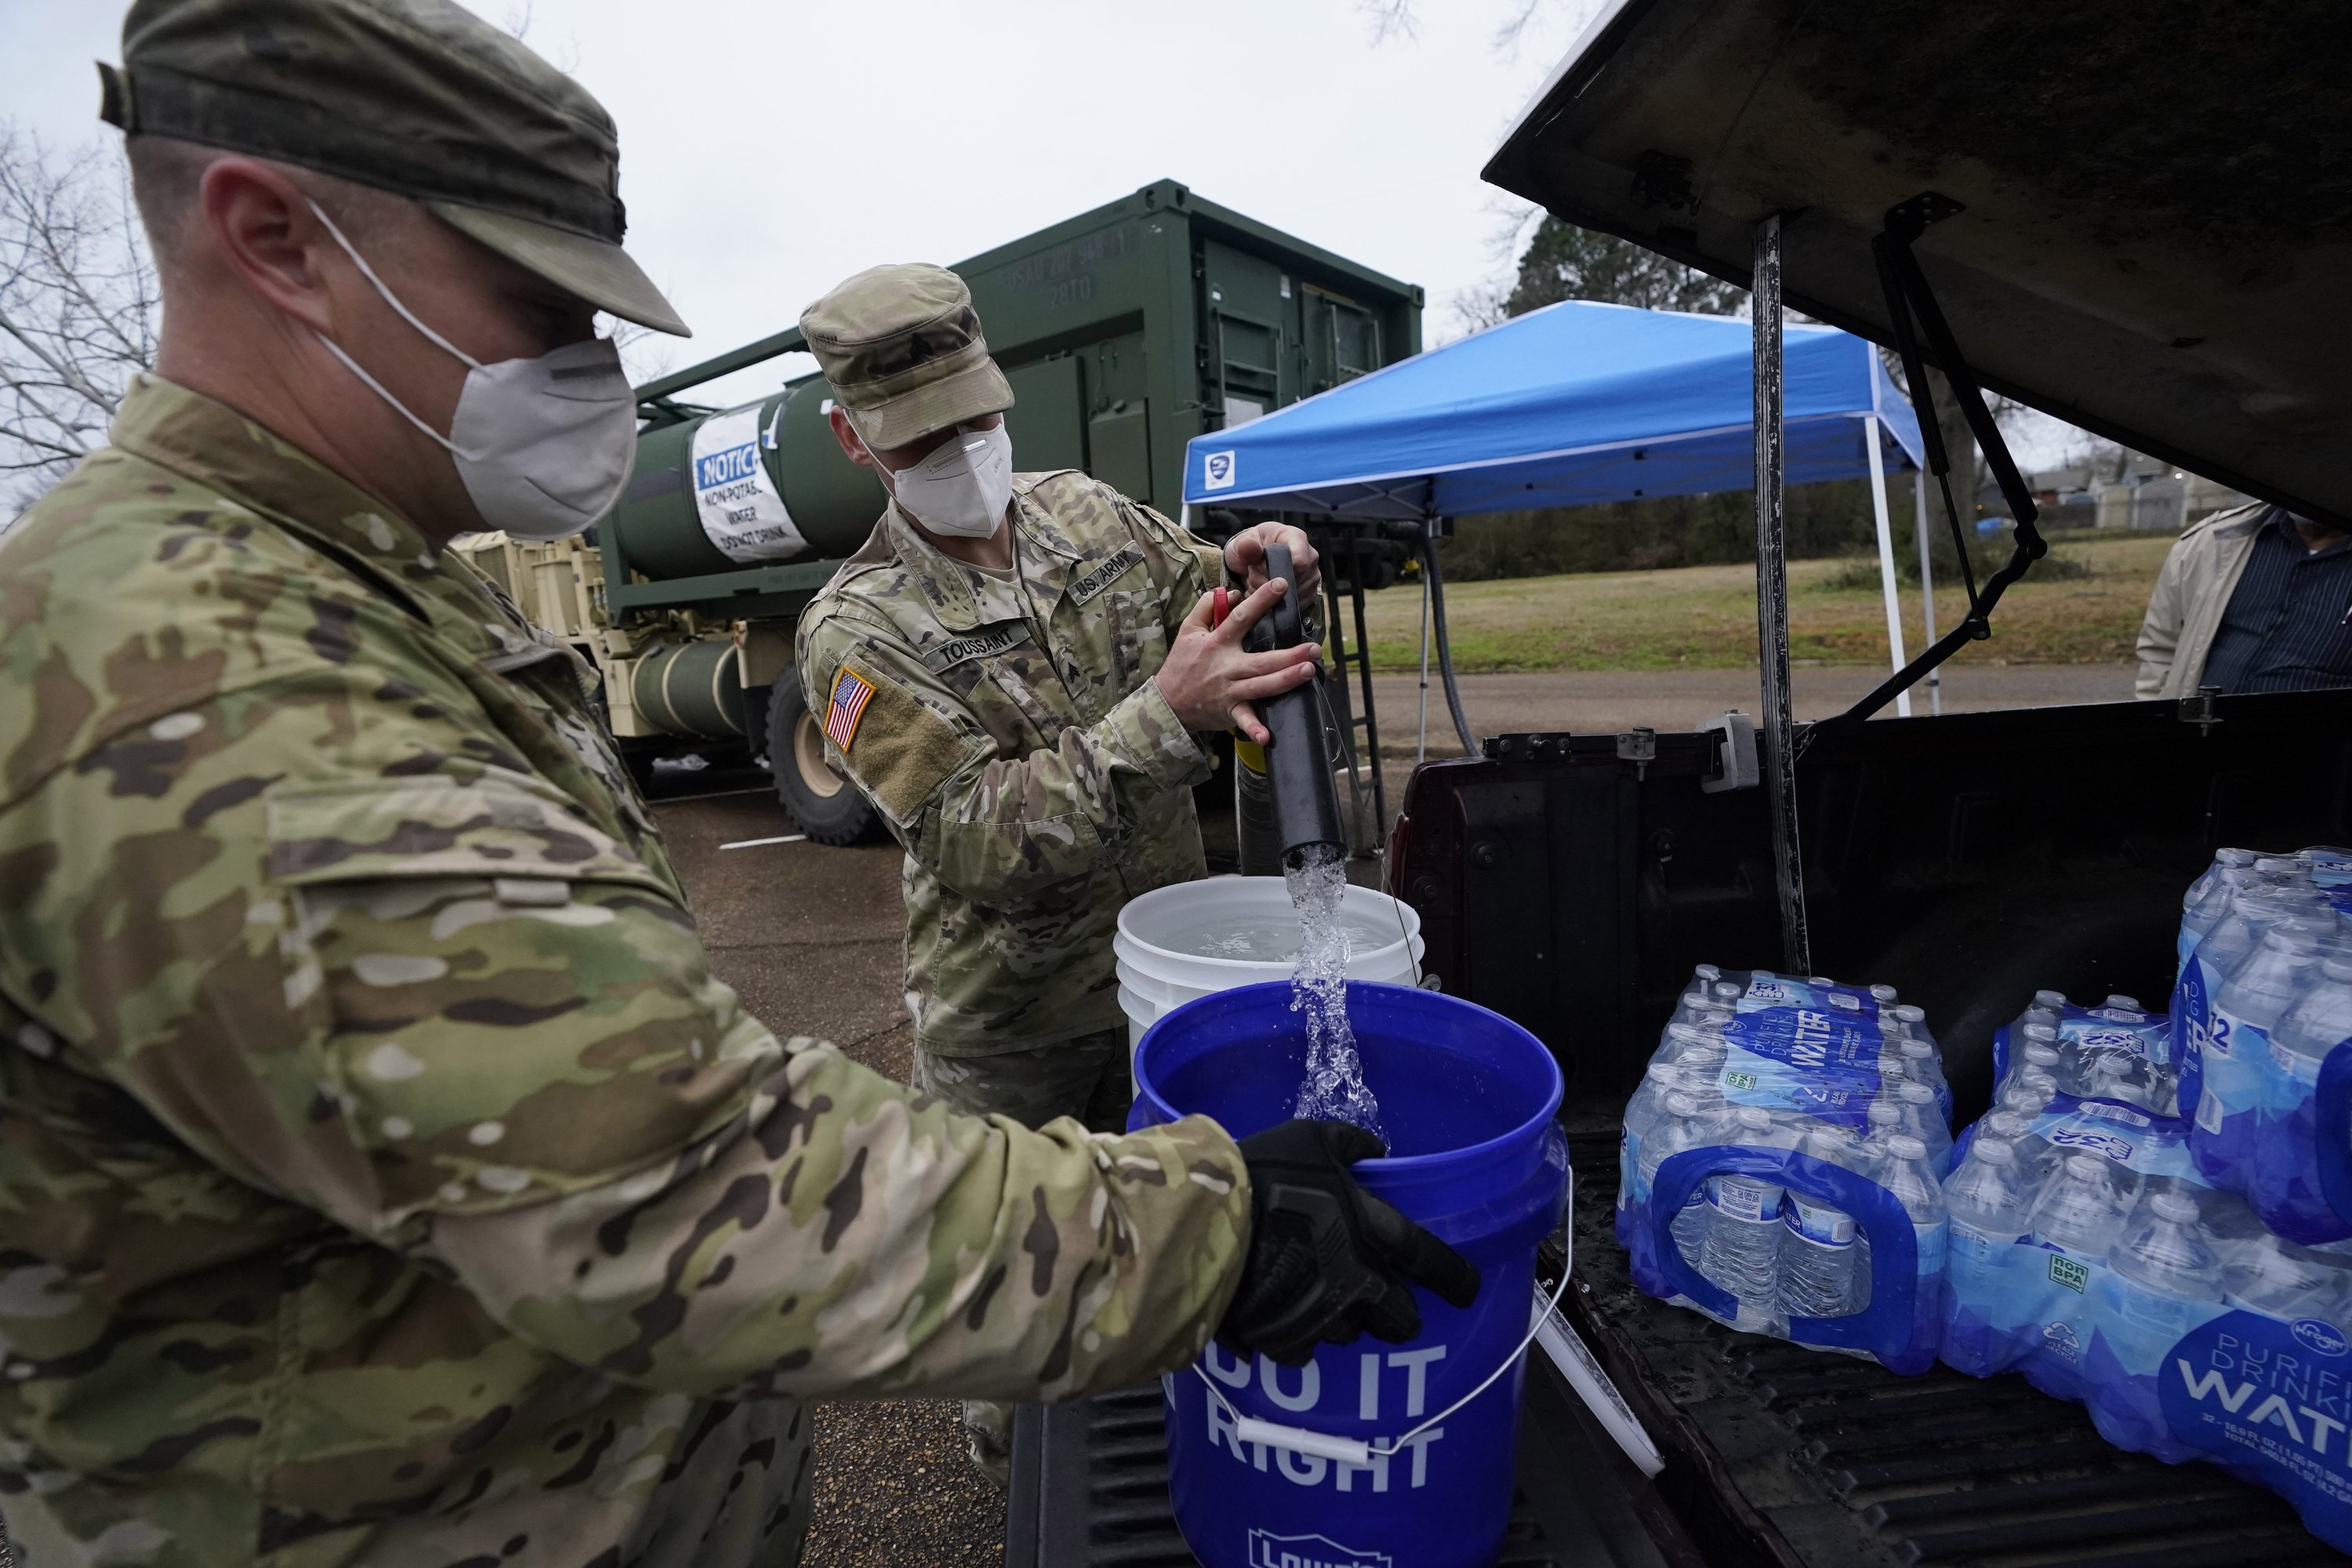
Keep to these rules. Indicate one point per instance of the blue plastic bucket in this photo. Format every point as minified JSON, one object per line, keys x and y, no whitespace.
{"x":1468,"y":1097}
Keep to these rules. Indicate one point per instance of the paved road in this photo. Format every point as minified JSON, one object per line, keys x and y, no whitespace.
{"x":1605,"y":701}
{"x":810,"y":938}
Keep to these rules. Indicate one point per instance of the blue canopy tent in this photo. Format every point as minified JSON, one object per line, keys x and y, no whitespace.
{"x":1569,"y":406}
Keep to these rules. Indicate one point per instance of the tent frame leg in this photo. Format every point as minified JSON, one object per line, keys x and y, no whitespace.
{"x":1772,"y":601}
{"x":1421,"y":741}
{"x":1437,"y":580}
{"x":1870,"y":431}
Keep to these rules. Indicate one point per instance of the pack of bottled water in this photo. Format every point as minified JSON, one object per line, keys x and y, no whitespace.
{"x":1779,"y":1166}
{"x":2086,"y":1250}
{"x":2262,"y":1031}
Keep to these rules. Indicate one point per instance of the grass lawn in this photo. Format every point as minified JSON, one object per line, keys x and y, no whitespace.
{"x":1704,"y":616}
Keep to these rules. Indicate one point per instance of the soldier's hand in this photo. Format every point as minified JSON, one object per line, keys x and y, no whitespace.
{"x":1328,"y":1260}
{"x":1210,"y":679}
{"x":1246,"y":556}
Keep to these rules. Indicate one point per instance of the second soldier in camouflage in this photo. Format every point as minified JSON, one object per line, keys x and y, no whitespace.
{"x":998,"y":695}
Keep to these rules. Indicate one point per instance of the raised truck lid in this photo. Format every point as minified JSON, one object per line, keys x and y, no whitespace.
{"x":2153,"y":236}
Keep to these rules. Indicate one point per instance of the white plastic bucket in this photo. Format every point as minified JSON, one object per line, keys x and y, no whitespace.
{"x":1153,"y":979}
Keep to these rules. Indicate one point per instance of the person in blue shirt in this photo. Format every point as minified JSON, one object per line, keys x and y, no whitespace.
{"x":2251,"y":600}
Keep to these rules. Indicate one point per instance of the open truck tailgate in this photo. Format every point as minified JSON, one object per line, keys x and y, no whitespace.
{"x":2154,"y":233}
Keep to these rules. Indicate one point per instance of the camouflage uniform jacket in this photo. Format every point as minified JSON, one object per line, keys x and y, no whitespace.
{"x":383,"y":1178}
{"x":1018,"y":749}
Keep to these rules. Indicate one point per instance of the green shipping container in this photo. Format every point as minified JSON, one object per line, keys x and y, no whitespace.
{"x":1125,"y":332}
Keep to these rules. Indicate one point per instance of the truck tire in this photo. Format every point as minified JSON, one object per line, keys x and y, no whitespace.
{"x":828,"y":807}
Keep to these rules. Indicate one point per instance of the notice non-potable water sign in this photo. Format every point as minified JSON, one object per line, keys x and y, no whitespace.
{"x":741,"y":511}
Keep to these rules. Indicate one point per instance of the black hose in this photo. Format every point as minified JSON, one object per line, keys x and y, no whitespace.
{"x":1444,"y":645}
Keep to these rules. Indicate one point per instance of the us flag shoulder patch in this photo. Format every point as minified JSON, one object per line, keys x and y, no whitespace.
{"x":851,"y":692}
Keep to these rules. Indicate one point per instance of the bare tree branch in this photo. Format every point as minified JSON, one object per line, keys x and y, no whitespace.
{"x":1512,"y":30}
{"x":78,"y":305}
{"x":1390,"y":19}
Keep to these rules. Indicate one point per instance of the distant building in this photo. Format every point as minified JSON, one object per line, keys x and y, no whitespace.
{"x":2114,"y":486}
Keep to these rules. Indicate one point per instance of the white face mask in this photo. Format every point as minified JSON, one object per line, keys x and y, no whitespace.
{"x":963,"y":488}
{"x":543,"y":444}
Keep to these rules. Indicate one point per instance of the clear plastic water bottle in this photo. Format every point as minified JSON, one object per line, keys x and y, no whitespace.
{"x":1920,"y":1065}
{"x":2027,"y":1091}
{"x":1884,"y":1120}
{"x":1742,"y":1255}
{"x":2008,"y":1126}
{"x":1817,"y":1240}
{"x":2163,"y":1280}
{"x":2080,"y":1210}
{"x":2283,"y":870}
{"x":2255,"y":993}
{"x":1989,"y":1206}
{"x":1909,"y":1180}
{"x":2210,"y":899}
{"x":1642,"y":1111}
{"x":1701,"y":1078}
{"x":1885,"y":995}
{"x":2040,"y":1053}
{"x":2206,"y":898}
{"x":2286,"y":1173}
{"x":1922,"y":1119}
{"x":1682,"y":1038}
{"x":2276,"y":1276}
{"x":2126,"y":1003}
{"x":1701,"y":985}
{"x":1685,"y":1126}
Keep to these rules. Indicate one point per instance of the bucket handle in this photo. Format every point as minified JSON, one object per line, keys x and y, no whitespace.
{"x":1355,"y":1450}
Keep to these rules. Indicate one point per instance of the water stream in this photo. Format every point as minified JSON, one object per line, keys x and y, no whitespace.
{"x":1335,"y":1088}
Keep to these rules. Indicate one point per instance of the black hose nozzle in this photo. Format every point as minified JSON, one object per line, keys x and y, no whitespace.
{"x":1297,"y":766}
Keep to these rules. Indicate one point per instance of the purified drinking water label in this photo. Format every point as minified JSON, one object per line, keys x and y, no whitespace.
{"x":1818,"y":1222}
{"x":1739,"y":1198}
{"x":1816,"y":1028}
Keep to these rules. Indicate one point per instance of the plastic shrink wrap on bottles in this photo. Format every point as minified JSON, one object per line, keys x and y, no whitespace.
{"x":2094,"y":1246}
{"x":1778,"y":1169}
{"x":2261,"y":1027}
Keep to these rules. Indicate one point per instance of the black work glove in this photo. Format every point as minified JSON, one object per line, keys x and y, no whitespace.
{"x":1325,"y":1256}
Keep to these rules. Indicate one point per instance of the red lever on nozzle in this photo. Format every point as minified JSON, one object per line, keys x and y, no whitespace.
{"x":1220,"y":607}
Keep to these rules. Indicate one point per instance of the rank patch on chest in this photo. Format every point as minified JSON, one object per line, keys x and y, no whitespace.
{"x":1129,"y":557}
{"x":981,"y":644}
{"x":851,"y":693}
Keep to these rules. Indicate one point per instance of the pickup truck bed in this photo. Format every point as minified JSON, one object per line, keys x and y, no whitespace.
{"x":1571,"y":882}
{"x":1777,"y":1457}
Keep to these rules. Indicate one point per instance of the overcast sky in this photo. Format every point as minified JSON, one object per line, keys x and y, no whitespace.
{"x":769,"y":150}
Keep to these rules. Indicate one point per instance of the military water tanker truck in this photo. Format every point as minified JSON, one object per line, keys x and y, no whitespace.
{"x":1125,"y":332}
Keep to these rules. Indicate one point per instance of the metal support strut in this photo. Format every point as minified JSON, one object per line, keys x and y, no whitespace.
{"x":1772,"y":602}
{"x":1912,"y":311}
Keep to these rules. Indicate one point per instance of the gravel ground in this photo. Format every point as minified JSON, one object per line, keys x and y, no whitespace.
{"x":893,"y":1490}
{"x":811,"y":938}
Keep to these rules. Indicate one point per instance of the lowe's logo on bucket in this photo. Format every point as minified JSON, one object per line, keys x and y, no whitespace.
{"x":2319,"y":1335}
{"x":1267,"y":1550}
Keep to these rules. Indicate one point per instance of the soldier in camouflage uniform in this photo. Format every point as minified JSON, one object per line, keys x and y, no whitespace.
{"x":1017,"y":685}
{"x":383,"y":1178}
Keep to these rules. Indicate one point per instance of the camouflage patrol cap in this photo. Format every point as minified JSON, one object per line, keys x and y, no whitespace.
{"x":902,"y":347}
{"x":421,"y":98}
